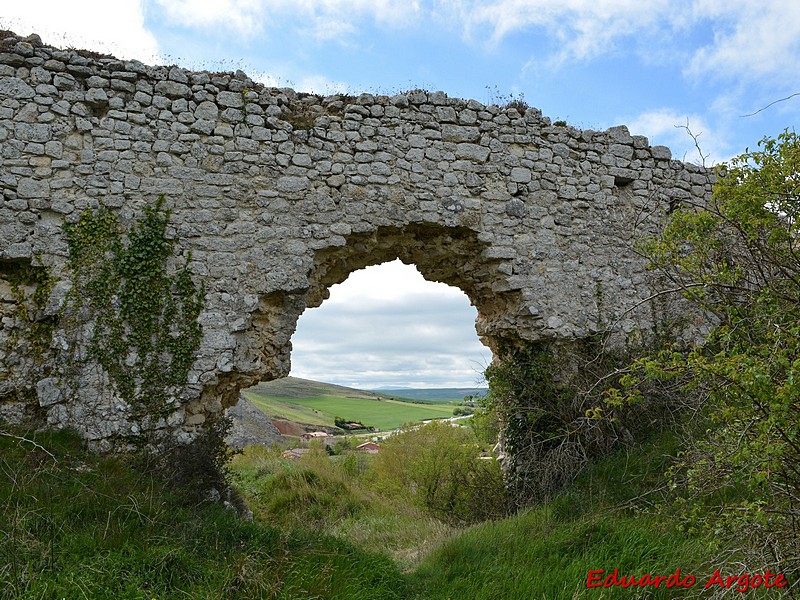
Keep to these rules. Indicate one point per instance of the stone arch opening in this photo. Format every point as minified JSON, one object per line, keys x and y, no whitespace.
{"x":455,"y":255}
{"x":385,"y":326}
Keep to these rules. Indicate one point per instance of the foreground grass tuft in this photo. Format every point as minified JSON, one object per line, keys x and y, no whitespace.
{"x":319,"y":494}
{"x":78,"y":526}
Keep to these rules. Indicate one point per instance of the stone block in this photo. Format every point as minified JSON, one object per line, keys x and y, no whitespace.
{"x":16,"y":88}
{"x":173,"y":89}
{"x":661,"y":153}
{"x":48,"y":392}
{"x":520,"y":175}
{"x":33,"y":188}
{"x":460,"y":133}
{"x":472,"y":152}
{"x":230,"y":99}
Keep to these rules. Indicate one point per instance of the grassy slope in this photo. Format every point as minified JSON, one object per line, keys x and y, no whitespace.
{"x":601,"y":522}
{"x":276,"y":408}
{"x":547,"y":552}
{"x":326,"y":495}
{"x":316,"y":403}
{"x":73,"y":525}
{"x":382,"y":414}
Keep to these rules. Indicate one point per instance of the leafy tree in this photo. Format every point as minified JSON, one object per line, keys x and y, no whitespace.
{"x":485,"y":423}
{"x":738,"y":260}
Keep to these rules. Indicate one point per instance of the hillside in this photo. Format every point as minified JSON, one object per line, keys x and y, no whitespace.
{"x":316,"y":403}
{"x":295,"y":387}
{"x":430,"y":394}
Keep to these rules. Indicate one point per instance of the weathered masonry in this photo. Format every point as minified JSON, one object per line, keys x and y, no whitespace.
{"x":278,"y":195}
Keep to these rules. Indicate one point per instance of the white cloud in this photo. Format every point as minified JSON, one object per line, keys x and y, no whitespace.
{"x":391,"y":281}
{"x":329,"y":29}
{"x":319,"y":84}
{"x":311,"y":84}
{"x":584,"y":28}
{"x":751,"y":39}
{"x":386,"y":325}
{"x":323,"y":20}
{"x":116,"y":29}
{"x":667,"y":127}
{"x":245,"y":17}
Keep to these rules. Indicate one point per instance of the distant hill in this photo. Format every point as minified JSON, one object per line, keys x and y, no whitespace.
{"x":317,"y":403}
{"x":450,"y":394}
{"x":295,"y":387}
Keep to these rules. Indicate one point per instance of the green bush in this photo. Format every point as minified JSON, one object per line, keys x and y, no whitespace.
{"x":437,"y":466}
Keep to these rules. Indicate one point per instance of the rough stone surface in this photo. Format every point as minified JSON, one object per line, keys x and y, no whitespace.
{"x":250,"y":426}
{"x":279,"y":195}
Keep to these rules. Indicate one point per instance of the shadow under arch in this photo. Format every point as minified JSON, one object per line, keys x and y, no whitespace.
{"x":452,"y":255}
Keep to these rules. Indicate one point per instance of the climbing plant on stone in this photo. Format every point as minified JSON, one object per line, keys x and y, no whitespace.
{"x":143,"y":309}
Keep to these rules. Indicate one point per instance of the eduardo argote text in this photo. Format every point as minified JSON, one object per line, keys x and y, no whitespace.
{"x":741,"y":583}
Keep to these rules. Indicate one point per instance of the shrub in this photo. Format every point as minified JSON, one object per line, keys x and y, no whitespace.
{"x":437,"y":466}
{"x":545,"y":401}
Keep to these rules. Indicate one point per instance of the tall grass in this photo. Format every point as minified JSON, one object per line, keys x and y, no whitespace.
{"x":316,"y":493}
{"x":547,"y":552}
{"x":74,"y":525}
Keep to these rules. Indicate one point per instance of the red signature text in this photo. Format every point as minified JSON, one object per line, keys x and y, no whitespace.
{"x":741,"y":583}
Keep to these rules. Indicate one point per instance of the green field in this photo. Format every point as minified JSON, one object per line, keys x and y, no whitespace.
{"x":284,"y":409}
{"x":316,"y":403}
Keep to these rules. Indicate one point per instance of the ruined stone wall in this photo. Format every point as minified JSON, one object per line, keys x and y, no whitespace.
{"x":278,"y":195}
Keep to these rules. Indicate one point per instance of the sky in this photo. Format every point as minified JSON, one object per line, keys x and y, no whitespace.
{"x":722,"y":71}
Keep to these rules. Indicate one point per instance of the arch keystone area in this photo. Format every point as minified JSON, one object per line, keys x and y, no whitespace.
{"x":278,"y":195}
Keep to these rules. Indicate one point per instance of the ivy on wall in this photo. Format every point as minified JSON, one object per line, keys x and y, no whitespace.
{"x":145,"y":331}
{"x":550,"y":403}
{"x":26,"y":330}
{"x":30,"y":288}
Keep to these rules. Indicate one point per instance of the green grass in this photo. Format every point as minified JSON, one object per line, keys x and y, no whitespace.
{"x":381,"y":414}
{"x":547,"y":552}
{"x":327,"y":494}
{"x":603,"y":521}
{"x":284,"y":409}
{"x":540,"y":554}
{"x":74,"y":525}
{"x":315,"y":403}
